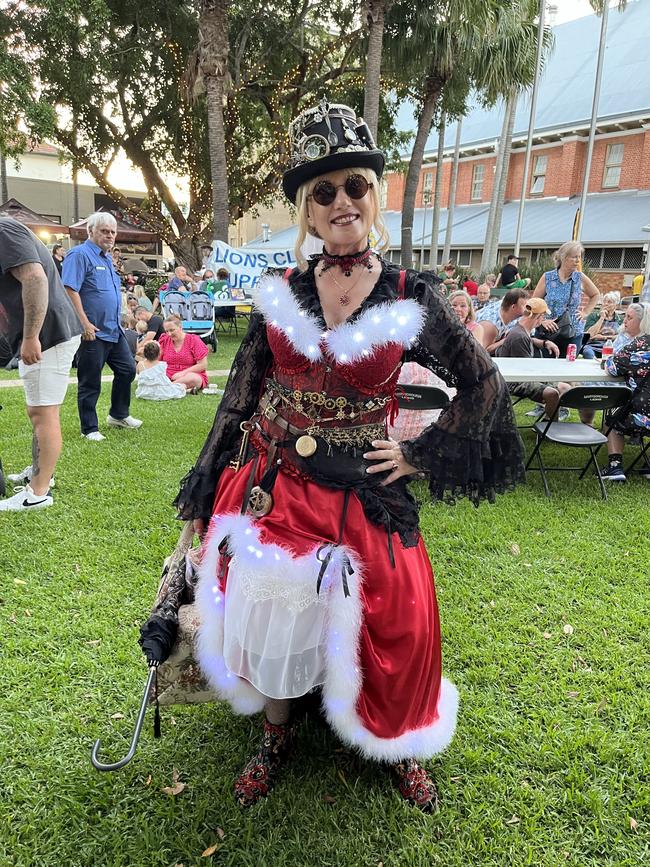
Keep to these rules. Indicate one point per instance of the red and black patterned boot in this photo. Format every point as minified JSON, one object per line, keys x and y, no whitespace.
{"x":262,"y":771}
{"x":415,"y":785}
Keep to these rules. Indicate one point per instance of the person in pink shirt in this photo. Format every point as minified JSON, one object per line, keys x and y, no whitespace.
{"x":186,"y":355}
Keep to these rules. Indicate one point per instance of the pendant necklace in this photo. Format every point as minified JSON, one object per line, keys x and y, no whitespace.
{"x":344,"y":299}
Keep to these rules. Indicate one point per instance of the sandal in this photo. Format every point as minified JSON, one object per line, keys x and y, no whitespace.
{"x":263,"y":769}
{"x":415,"y":785}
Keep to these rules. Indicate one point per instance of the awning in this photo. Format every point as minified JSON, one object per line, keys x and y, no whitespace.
{"x":36,"y":222}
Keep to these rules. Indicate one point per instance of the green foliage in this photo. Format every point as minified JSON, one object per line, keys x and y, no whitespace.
{"x":549,"y":763}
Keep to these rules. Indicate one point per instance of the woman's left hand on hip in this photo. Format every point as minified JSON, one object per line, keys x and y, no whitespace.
{"x":389,"y":457}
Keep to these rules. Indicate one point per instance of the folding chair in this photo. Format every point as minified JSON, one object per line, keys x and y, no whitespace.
{"x":577,"y":434}
{"x":421,"y":397}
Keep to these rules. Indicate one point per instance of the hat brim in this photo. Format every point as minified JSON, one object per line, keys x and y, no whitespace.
{"x":294,"y":178}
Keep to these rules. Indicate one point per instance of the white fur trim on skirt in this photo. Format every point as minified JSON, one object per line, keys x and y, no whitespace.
{"x":343,"y":616}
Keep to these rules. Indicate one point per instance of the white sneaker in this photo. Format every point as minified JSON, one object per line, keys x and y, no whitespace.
{"x":129,"y":421}
{"x":537,"y":412}
{"x":25,"y":500}
{"x":25,"y":477}
{"x":94,"y":436}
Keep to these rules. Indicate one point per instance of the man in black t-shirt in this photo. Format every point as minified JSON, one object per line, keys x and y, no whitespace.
{"x":509,"y":277}
{"x":37,"y":315}
{"x":154,"y":324}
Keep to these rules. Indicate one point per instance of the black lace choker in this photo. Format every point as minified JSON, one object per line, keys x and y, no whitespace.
{"x":348,"y":262}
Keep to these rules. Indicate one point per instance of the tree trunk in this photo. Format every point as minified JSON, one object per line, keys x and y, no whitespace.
{"x":4,"y":189}
{"x":213,"y":52}
{"x":437,"y":195}
{"x":374,"y":13}
{"x":187,"y":252}
{"x":493,"y":229}
{"x":452,"y":193}
{"x":432,"y":95}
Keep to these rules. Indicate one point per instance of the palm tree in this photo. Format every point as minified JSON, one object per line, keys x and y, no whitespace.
{"x":213,"y":65}
{"x":373,"y":13}
{"x":493,"y":229}
{"x":481,"y":43}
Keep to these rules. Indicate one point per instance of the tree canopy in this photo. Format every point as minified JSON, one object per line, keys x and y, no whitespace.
{"x":102,"y":76}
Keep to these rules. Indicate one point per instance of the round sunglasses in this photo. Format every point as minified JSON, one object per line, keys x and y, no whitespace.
{"x":355,"y":186}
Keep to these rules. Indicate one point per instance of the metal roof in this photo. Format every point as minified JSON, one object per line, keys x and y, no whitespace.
{"x":611,"y":219}
{"x":566,"y":88}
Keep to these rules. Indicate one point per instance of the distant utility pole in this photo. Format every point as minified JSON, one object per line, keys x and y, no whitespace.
{"x":452,"y":192}
{"x":594,"y":119}
{"x":531,"y":125}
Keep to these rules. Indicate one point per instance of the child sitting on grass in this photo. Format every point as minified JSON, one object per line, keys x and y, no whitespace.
{"x":152,"y":380}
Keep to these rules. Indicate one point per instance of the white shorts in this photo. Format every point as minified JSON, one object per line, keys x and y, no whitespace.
{"x":46,"y":382}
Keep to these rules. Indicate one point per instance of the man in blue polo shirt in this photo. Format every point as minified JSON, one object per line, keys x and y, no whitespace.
{"x":94,"y":289}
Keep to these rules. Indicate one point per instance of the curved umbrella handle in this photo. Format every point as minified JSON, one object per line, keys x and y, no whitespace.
{"x":115,"y":766}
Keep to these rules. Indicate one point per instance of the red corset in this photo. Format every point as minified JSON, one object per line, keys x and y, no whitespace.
{"x":375,"y":374}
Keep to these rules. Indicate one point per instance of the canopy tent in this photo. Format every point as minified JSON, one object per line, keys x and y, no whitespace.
{"x":36,"y":222}
{"x":126,"y":233}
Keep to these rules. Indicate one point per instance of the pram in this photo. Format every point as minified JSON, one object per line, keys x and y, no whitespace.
{"x":196,"y":310}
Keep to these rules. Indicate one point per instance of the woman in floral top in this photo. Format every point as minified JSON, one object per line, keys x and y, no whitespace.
{"x":632,"y":363}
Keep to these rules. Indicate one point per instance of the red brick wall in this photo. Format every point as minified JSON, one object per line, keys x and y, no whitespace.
{"x":563,"y":174}
{"x":610,"y":281}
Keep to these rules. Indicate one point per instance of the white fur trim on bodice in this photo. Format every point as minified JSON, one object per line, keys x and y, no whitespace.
{"x":391,"y":322}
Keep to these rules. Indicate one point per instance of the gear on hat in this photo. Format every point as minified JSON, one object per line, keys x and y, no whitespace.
{"x":326,"y":138}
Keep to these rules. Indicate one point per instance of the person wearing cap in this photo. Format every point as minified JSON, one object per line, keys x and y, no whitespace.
{"x":519,"y":343}
{"x":314,"y":575}
{"x":509,"y":277}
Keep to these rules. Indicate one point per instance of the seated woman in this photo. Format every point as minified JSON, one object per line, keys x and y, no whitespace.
{"x":633,"y":363}
{"x":152,"y":380}
{"x":602,"y":325}
{"x":636,"y":323}
{"x":141,"y":295}
{"x":186,"y":355}
{"x":207,"y":282}
{"x":462,"y":306}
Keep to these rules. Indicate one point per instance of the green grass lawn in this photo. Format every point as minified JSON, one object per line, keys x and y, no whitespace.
{"x":544,"y":607}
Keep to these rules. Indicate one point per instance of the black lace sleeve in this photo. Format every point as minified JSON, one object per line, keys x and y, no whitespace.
{"x":239,"y":401}
{"x":474,"y":449}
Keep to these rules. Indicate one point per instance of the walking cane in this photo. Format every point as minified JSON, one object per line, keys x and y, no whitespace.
{"x":115,"y":766}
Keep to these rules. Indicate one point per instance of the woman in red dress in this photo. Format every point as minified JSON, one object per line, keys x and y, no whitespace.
{"x":314,"y":575}
{"x":186,"y":355}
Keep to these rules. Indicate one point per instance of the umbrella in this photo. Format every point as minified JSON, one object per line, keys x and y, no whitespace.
{"x":158,"y":635}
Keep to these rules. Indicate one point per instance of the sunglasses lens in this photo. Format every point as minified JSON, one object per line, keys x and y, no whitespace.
{"x":356,"y":186}
{"x":324,"y":193}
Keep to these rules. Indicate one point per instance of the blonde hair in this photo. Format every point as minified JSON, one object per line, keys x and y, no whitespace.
{"x":302,"y":198}
{"x":565,"y":250}
{"x":460,"y":293}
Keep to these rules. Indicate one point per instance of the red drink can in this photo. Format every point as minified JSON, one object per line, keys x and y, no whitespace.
{"x":571,"y":352}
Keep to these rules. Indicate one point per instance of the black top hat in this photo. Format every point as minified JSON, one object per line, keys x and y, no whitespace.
{"x":326,"y":138}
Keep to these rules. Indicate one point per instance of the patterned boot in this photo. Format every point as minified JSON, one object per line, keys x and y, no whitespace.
{"x":415,"y":785}
{"x":263,"y":769}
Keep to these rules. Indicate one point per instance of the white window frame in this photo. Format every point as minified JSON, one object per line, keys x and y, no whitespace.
{"x":478,"y":176}
{"x":540,"y":167}
{"x":613,"y":165}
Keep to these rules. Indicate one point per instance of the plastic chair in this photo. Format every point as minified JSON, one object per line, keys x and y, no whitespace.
{"x":421,"y":397}
{"x":577,"y":434}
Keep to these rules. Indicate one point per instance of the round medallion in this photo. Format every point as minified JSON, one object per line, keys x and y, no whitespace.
{"x":314,"y":147}
{"x":260,"y":503}
{"x":306,"y":446}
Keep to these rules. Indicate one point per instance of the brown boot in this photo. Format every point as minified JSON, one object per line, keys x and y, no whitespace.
{"x":263,"y":769}
{"x":415,"y":785}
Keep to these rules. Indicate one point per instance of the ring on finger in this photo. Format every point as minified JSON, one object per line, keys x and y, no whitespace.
{"x":395,"y":465}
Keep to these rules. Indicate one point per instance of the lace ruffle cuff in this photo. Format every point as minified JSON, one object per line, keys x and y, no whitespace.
{"x":195,"y":498}
{"x":460,"y":467}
